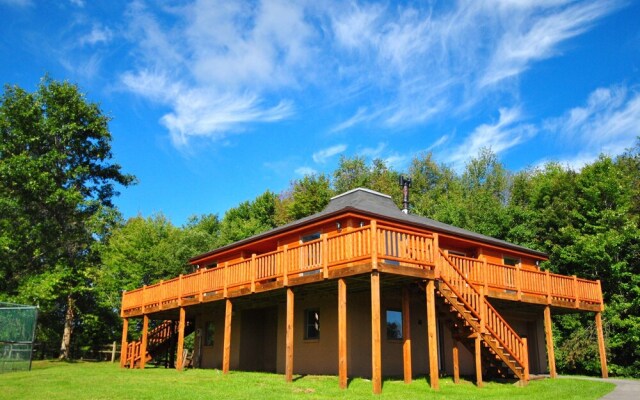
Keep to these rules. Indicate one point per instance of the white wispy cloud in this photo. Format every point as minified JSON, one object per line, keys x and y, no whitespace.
{"x":609,"y":123}
{"x":321,"y":156}
{"x":217,"y":63}
{"x":396,"y":65}
{"x":98,"y":34}
{"x":500,"y":136}
{"x":304,"y":171}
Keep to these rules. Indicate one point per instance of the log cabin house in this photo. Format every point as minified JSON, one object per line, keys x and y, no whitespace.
{"x":362,"y":289}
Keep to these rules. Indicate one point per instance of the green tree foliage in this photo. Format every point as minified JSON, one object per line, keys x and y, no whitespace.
{"x":309,"y":195}
{"x":249,"y":218}
{"x":56,"y":177}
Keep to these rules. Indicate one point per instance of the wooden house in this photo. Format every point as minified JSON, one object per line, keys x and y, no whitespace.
{"x":363,"y":289}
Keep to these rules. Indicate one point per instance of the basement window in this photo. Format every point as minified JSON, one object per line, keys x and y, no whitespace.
{"x":312,"y":324}
{"x":394,"y":325}
{"x":209,"y":330}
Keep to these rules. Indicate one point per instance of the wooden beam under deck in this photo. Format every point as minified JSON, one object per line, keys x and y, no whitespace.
{"x":432,"y":336}
{"x":123,"y":344}
{"x":226,"y":349}
{"x":342,"y":333}
{"x":180,"y":350}
{"x":601,"y":348}
{"x":376,"y":344}
{"x":143,"y":343}
{"x":288,"y":374}
{"x":549,"y":339}
{"x":406,"y":334}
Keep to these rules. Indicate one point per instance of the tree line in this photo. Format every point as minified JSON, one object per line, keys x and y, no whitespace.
{"x":65,"y":247}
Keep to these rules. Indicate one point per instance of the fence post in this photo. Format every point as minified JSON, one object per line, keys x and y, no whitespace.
{"x":548,"y":286}
{"x":113,"y":351}
{"x":519,"y":281}
{"x":180,"y":290}
{"x":226,"y":279}
{"x":436,"y":255}
{"x":600,"y":295}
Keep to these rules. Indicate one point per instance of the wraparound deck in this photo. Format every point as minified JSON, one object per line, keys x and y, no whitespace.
{"x":378,"y":246}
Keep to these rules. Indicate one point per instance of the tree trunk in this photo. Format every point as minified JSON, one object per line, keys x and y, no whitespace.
{"x":65,"y":351}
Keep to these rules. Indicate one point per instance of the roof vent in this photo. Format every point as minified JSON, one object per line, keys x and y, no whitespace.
{"x":406,"y":184}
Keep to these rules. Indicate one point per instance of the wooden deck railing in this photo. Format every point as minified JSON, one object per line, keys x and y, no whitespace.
{"x":392,"y":245}
{"x":528,"y":282}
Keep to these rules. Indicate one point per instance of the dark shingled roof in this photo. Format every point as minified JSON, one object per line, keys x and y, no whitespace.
{"x":372,"y":203}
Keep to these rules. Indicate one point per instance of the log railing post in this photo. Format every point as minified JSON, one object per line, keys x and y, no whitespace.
{"x":600,"y":295}
{"x":162,"y":294}
{"x":285,"y":265}
{"x":325,"y":256}
{"x":525,"y":360}
{"x":436,"y":255}
{"x":254,"y":271}
{"x":485,"y":273}
{"x":180,"y":290}
{"x":225,"y":290}
{"x":519,"y":281}
{"x":200,"y":285}
{"x":483,"y":311}
{"x":548,"y":278}
{"x":374,"y":245}
{"x":144,"y":298}
{"x":576,"y":293}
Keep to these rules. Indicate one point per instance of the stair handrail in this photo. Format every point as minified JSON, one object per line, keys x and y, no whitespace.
{"x":490,"y":311}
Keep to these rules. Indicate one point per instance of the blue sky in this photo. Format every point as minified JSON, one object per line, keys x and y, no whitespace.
{"x":215,"y":102}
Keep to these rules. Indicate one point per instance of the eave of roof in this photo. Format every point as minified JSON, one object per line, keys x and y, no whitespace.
{"x":377,"y":205}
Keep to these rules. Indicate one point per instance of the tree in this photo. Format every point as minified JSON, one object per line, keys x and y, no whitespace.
{"x":56,"y":177}
{"x":309,"y":195}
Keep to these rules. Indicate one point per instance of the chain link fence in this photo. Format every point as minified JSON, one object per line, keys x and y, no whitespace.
{"x":17,"y":331}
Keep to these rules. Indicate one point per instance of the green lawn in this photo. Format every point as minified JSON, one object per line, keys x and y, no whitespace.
{"x":52,"y":380}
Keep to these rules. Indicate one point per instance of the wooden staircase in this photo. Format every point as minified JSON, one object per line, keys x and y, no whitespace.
{"x":159,"y":340}
{"x":504,"y":352}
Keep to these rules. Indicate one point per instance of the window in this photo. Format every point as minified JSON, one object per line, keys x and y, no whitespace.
{"x":394,"y":325}
{"x":209,"y":330}
{"x":310,"y":237}
{"x":312,"y":324}
{"x":514,"y":262}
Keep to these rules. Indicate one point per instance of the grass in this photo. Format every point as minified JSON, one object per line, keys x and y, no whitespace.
{"x":52,"y":380}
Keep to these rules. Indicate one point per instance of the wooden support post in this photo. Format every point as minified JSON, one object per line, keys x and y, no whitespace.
{"x":478,"y":357}
{"x":374,"y":245}
{"x":342,"y":333}
{"x":483,"y":311}
{"x":456,"y":361}
{"x":180,"y":350}
{"x":226,"y":349}
{"x":432,"y":337}
{"x":288,"y":374}
{"x":124,"y":344}
{"x":143,"y":344}
{"x":601,"y":348}
{"x":548,"y":332}
{"x":376,"y":343}
{"x":406,"y":334}
{"x":200,"y":283}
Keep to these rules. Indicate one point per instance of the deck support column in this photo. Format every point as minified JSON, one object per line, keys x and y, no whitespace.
{"x":143,"y":343}
{"x":226,"y":349}
{"x":601,"y":348}
{"x":123,"y":343}
{"x":406,"y":334}
{"x":376,"y":345}
{"x":342,"y":333}
{"x":432,"y":337}
{"x":456,"y":361}
{"x":548,"y":332}
{"x":180,"y":350}
{"x":288,"y":368}
{"x":478,"y":357}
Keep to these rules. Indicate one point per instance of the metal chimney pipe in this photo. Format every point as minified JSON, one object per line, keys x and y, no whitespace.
{"x":406,"y":184}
